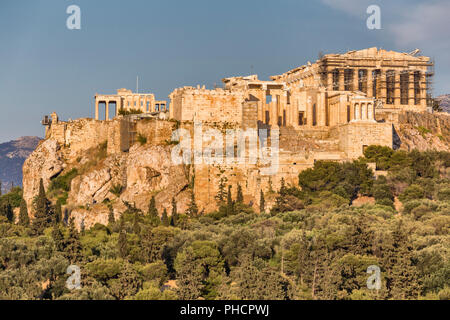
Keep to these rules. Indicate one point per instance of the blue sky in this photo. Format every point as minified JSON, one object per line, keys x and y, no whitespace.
{"x":45,"y":67}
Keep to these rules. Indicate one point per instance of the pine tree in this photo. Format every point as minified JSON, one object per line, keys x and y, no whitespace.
{"x":24,"y":219}
{"x":220,"y":197}
{"x":43,"y":216}
{"x":230,"y":203}
{"x":136,"y":225}
{"x":240,"y":196}
{"x":58,"y":212}
{"x":193,"y":209}
{"x":174,"y":217}
{"x":82,"y":226}
{"x":152,"y":211}
{"x":402,"y":279}
{"x":122,"y":243}
{"x":165,"y":219}
{"x":0,"y":188}
{"x":111,"y":218}
{"x":58,"y":238}
{"x":9,"y":213}
{"x":66,"y":217}
{"x":73,"y":246}
{"x":283,"y":189}
{"x":262,"y":202}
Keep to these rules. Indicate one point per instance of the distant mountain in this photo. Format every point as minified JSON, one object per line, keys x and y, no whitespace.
{"x":12,"y":157}
{"x":444,"y":102}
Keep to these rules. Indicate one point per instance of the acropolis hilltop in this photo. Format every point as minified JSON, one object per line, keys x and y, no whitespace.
{"x":331,"y":109}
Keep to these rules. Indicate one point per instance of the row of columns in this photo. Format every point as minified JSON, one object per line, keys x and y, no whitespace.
{"x":364,"y":111}
{"x":142,"y":103}
{"x":106,"y":102}
{"x":278,"y":109}
{"x":145,"y":103}
{"x":413,"y":98}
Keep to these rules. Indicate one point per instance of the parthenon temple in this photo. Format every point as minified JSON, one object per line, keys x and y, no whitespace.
{"x":126,"y":100}
{"x":356,"y":96}
{"x":336,"y":89}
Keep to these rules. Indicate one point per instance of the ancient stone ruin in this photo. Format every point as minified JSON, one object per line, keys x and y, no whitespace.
{"x":327,"y":110}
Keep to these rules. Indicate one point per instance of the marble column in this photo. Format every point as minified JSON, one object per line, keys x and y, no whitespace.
{"x":330,"y":80}
{"x":369,"y":83}
{"x":397,"y":88}
{"x":355,"y":79}
{"x":357,"y":112}
{"x":96,"y":109}
{"x":411,"y":89}
{"x":383,"y":85}
{"x":341,"y":80}
{"x":363,"y":111}
{"x":107,"y":110}
{"x":370,"y":112}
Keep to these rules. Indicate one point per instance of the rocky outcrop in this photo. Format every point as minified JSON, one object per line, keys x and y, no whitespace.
{"x":134,"y":177}
{"x":112,"y":178}
{"x":149,"y":171}
{"x":44,"y":163}
{"x":423,"y":131}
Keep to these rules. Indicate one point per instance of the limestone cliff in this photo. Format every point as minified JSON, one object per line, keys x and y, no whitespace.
{"x":113,"y":162}
{"x":105,"y":178}
{"x":423,"y":131}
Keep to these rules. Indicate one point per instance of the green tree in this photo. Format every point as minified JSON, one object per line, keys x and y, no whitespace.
{"x":127,"y":284}
{"x":73,"y":247}
{"x":165,"y":219}
{"x":123,"y":243}
{"x":58,"y":212}
{"x":152,"y":211}
{"x":82,"y":226}
{"x":283,"y":189}
{"x":401,"y":275}
{"x":412,"y":192}
{"x":136,"y":224}
{"x":111,"y":218}
{"x":221,"y":194}
{"x":230,"y":203}
{"x":43,"y":213}
{"x":7,"y":212}
{"x":257,"y":281}
{"x":193,"y":208}
{"x":24,"y":219}
{"x":240,"y":195}
{"x":262,"y":202}
{"x":174,"y":217}
{"x":58,"y":238}
{"x":200,"y":270}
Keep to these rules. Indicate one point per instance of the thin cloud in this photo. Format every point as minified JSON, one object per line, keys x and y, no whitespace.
{"x":424,"y":25}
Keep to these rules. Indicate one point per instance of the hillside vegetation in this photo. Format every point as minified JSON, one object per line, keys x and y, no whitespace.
{"x":314,"y":243}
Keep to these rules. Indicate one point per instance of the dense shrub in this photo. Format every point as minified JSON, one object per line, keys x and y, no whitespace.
{"x":62,"y":182}
{"x":313,"y":245}
{"x":413,"y":192}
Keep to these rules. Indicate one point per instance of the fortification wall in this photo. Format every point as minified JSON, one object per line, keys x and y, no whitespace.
{"x":157,"y":132}
{"x":190,"y":104}
{"x":83,"y":134}
{"x":353,"y":137}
